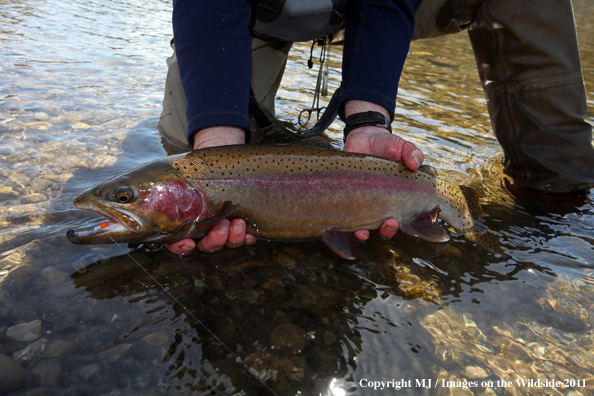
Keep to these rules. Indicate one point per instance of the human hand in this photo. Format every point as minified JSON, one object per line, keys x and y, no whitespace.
{"x":223,"y":233}
{"x":377,"y":141}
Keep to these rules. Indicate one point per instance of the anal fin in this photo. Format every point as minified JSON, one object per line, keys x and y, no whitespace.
{"x":227,"y":209}
{"x":426,"y":227}
{"x":342,"y":243}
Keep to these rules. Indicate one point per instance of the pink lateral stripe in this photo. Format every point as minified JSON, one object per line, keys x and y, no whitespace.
{"x":336,"y":181}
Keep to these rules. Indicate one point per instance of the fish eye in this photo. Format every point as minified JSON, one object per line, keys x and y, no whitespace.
{"x":123,"y":194}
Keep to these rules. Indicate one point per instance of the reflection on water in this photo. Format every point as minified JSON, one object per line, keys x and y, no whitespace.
{"x":79,"y":100}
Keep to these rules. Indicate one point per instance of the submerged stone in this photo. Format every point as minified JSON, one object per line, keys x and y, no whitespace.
{"x":289,"y":336}
{"x":474,"y":372}
{"x":12,"y":376}
{"x":26,"y":332}
{"x":32,"y":351}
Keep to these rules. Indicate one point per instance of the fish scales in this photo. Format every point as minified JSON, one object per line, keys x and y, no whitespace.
{"x":297,"y":192}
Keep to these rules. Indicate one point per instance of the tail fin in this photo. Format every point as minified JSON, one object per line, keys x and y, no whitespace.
{"x":479,"y":233}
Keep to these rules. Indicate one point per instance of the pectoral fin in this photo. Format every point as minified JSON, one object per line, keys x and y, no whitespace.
{"x":426,"y":227}
{"x":341,"y":242}
{"x":227,"y":209}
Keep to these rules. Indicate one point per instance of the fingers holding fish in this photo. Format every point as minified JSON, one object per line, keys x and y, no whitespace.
{"x":388,"y":229}
{"x":226,"y":233}
{"x":394,"y":147}
{"x":185,"y":246}
{"x":237,"y":235}
{"x":362,"y":235}
{"x":377,"y":141}
{"x":216,"y":238}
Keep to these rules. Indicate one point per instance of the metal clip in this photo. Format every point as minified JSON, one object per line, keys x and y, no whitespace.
{"x":321,"y":86}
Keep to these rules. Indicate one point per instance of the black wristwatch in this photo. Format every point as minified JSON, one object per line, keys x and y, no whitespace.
{"x":368,"y":118}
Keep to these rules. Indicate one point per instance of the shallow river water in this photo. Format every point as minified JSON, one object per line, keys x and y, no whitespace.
{"x":80,"y":94}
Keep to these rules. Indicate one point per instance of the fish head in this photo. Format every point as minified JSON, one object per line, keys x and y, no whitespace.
{"x":151,"y":203}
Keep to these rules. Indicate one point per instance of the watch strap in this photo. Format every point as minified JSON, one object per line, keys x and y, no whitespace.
{"x":367,"y":118}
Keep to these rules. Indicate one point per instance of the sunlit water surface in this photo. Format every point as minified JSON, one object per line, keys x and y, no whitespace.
{"x":80,"y":95}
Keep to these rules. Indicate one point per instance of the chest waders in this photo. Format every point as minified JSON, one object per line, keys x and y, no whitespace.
{"x":529,"y":65}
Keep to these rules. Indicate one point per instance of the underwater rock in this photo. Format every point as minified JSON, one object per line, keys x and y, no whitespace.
{"x":474,"y":372}
{"x":329,"y":337}
{"x":16,"y":125}
{"x":12,"y":376}
{"x":267,"y":366}
{"x":33,"y":198}
{"x":250,"y":296}
{"x":41,"y":116}
{"x":26,"y":332}
{"x":44,"y":374}
{"x":105,"y":161}
{"x":59,"y":283}
{"x":284,"y":260}
{"x":7,"y":192}
{"x":290,"y":337}
{"x":32,"y":351}
{"x":318,"y":299}
{"x":88,"y":371}
{"x":57,"y":348}
{"x":294,"y":252}
{"x":450,"y":251}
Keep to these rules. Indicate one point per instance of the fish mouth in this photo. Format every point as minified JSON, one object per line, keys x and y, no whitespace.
{"x":123,"y":226}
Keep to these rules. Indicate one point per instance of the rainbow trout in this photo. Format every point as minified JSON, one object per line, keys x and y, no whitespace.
{"x":282,"y":193}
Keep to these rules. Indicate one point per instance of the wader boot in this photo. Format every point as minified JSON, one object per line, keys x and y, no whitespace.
{"x":268,"y":65}
{"x":529,"y":64}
